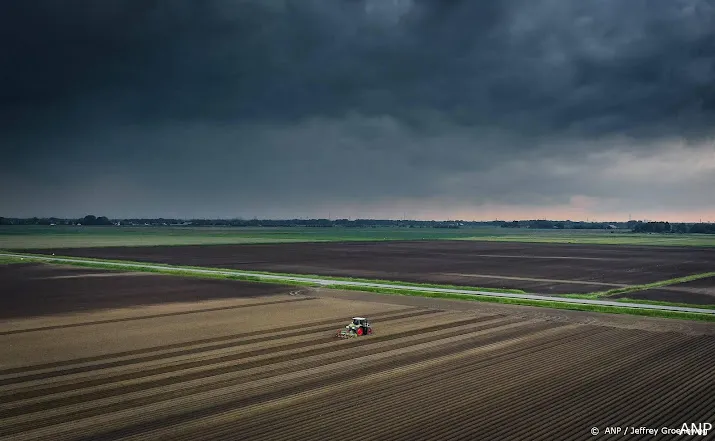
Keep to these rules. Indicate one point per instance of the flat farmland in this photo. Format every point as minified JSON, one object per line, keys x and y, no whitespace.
{"x":60,"y":236}
{"x":533,"y":267}
{"x":700,"y":291}
{"x":37,"y":289}
{"x":266,"y":367}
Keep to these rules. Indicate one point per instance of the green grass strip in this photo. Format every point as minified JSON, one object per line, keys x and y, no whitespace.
{"x":35,"y":236}
{"x":537,"y":303}
{"x":597,"y":237}
{"x":390,"y":291}
{"x":634,"y":288}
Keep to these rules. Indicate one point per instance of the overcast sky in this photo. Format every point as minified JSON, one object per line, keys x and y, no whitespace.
{"x":430,"y":109}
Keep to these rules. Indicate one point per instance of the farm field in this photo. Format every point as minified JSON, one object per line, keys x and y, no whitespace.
{"x":35,"y":236}
{"x":73,"y":236}
{"x":265,"y":366}
{"x":38,"y":289}
{"x":532,"y":267}
{"x":696,"y":291}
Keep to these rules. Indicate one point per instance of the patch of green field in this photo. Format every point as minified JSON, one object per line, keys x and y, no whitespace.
{"x":643,"y":287}
{"x":9,"y":260}
{"x":595,"y":237}
{"x":539,"y":303}
{"x":25,"y":237}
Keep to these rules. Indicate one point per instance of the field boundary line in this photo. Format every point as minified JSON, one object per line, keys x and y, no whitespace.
{"x":642,"y":287}
{"x":338,"y":284}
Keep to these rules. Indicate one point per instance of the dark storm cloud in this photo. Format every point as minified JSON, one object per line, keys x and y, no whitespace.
{"x":536,"y":66}
{"x":381,"y":98}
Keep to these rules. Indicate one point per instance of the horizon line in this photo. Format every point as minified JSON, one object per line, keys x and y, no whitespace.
{"x":253,"y":219}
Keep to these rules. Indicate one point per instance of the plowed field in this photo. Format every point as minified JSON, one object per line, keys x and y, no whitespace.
{"x":700,"y":291}
{"x":533,"y":267}
{"x":268,"y":368}
{"x":36,"y":289}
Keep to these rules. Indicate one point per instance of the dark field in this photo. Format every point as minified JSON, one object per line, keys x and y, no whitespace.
{"x":36,"y":289}
{"x":670,"y":295}
{"x":702,"y":284}
{"x":37,"y":236}
{"x":536,"y":268}
{"x":268,"y":368}
{"x":701,"y":291}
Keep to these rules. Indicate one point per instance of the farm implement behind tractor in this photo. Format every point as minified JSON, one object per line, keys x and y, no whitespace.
{"x":358,"y":327}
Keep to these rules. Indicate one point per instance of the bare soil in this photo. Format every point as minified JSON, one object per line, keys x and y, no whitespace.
{"x":676,"y":295}
{"x":525,"y":312}
{"x":701,"y":291}
{"x":269,"y":368}
{"x":38,"y":289}
{"x":707,"y":283}
{"x":532,"y":267}
{"x":666,"y":295}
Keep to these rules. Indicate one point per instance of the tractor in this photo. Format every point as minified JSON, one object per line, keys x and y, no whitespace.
{"x":358,"y":327}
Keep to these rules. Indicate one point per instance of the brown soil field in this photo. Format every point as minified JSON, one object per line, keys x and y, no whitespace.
{"x":707,"y":283}
{"x":701,"y":291}
{"x":535,"y":268}
{"x":268,"y":368}
{"x":669,"y":295}
{"x":37,"y":289}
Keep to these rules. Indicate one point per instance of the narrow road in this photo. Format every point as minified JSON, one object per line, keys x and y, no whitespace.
{"x":338,"y":283}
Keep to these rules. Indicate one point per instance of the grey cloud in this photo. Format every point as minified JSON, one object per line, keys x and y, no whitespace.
{"x":542,"y":66}
{"x":280,"y":101}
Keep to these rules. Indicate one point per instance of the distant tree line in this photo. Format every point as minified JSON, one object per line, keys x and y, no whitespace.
{"x":544,"y":224}
{"x":317,"y":223}
{"x":94,"y":220}
{"x":634,"y":226}
{"x":677,"y":228}
{"x":86,"y":220}
{"x":314,"y":223}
